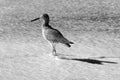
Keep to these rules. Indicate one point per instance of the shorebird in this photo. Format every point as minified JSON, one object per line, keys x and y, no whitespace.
{"x":52,"y":35}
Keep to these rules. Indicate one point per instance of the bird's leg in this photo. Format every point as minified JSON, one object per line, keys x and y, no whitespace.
{"x":54,"y":50}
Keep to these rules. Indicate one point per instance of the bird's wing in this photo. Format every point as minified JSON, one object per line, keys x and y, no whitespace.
{"x":53,"y":35}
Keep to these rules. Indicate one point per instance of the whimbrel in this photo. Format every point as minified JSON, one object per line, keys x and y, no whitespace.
{"x":52,"y":35}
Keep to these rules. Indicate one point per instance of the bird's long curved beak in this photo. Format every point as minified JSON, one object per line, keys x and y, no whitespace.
{"x":35,"y":19}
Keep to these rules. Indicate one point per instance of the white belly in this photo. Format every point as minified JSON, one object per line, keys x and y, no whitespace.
{"x":43,"y":33}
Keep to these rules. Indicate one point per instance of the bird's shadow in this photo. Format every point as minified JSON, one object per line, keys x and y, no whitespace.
{"x":89,"y":60}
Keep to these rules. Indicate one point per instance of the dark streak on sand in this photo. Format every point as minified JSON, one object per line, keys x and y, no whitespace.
{"x":92,"y":61}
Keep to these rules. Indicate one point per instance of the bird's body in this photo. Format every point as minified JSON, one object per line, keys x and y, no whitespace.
{"x":52,"y":35}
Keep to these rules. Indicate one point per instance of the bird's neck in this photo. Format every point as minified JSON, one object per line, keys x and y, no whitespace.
{"x":46,"y":22}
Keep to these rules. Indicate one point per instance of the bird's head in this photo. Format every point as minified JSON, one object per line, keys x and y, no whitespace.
{"x":43,"y":16}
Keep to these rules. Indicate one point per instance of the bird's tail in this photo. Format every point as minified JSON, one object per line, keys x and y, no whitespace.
{"x":71,"y":42}
{"x":68,"y":44}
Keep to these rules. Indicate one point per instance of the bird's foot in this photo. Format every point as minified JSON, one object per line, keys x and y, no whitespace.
{"x":54,"y":54}
{"x":56,"y":58}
